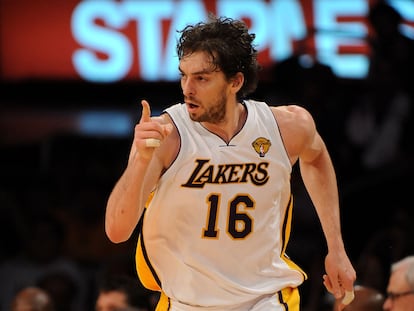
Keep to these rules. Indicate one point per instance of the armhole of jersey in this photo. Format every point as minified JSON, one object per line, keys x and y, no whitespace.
{"x":180,"y":140}
{"x":278,"y":132}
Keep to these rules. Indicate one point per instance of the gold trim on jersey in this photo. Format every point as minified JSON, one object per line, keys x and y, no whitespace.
{"x":289,"y":297}
{"x":145,"y":271}
{"x":163,"y":303}
{"x":286,"y":229}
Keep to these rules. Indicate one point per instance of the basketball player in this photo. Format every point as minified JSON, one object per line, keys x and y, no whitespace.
{"x":217,"y":169}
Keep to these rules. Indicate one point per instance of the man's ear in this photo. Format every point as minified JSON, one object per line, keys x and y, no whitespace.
{"x":237,"y":81}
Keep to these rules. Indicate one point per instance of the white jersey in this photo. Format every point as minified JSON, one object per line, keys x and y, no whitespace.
{"x":215,"y":232}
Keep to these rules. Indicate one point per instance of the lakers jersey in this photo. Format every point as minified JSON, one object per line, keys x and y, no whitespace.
{"x":216,"y":229}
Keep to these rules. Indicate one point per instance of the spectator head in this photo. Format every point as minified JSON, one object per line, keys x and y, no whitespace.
{"x":32,"y":299}
{"x":121,"y":292}
{"x":400,"y":289}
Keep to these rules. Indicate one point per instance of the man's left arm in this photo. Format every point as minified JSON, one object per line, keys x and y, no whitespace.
{"x":319,"y":177}
{"x":304,"y":144}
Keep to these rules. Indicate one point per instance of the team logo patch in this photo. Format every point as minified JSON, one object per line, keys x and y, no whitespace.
{"x":261,"y":145}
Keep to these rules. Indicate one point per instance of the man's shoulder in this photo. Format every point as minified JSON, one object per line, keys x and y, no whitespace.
{"x":294,"y":121}
{"x":291,"y":111}
{"x":285,"y":113}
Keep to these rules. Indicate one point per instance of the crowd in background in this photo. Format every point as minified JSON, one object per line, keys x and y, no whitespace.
{"x":53,"y":192}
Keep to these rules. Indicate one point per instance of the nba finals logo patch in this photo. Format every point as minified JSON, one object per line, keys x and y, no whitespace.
{"x":261,"y":145}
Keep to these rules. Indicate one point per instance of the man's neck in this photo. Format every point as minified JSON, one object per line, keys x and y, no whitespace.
{"x":231,"y":125}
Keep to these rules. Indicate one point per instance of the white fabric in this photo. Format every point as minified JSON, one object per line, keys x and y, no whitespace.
{"x":251,"y":196}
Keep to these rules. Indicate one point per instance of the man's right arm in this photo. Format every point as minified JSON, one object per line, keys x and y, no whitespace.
{"x":126,"y":201}
{"x":145,"y":165}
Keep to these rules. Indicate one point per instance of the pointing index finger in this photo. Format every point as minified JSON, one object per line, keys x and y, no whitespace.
{"x":146,"y":112}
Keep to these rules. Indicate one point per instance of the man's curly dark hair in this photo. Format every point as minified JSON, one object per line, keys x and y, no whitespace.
{"x":230,"y":46}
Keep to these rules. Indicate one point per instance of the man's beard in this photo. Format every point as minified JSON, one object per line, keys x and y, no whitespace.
{"x":215,"y":114}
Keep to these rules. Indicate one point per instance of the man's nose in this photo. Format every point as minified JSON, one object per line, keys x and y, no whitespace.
{"x":188,"y":87}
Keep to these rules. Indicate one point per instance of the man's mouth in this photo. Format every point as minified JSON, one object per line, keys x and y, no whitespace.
{"x":192,"y":106}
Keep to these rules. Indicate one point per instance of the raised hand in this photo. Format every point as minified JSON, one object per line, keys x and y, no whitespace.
{"x":149,"y":132}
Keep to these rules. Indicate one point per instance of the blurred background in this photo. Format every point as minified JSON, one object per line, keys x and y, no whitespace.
{"x":72,"y":77}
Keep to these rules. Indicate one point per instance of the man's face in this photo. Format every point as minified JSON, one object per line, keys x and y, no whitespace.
{"x":205,"y":88}
{"x":111,"y":301}
{"x":397,"y":285}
